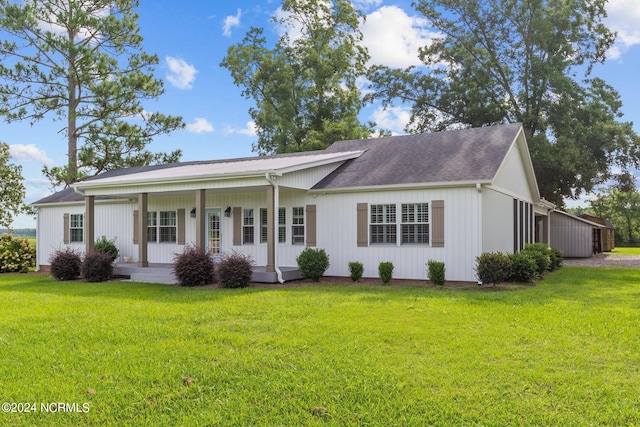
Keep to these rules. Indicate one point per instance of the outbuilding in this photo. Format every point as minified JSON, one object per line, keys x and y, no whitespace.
{"x":576,"y":237}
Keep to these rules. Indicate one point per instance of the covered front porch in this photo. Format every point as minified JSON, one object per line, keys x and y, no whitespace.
{"x":161,"y":273}
{"x":259,"y":207}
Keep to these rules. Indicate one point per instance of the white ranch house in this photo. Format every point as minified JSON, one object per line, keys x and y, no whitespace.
{"x":446,"y":196}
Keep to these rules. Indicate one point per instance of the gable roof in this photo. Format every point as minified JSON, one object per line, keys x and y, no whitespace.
{"x":470,"y":156}
{"x":467,"y":155}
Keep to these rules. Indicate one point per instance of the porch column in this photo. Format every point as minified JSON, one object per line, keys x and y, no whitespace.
{"x":201,"y":201}
{"x":143,"y":260}
{"x":271,"y":235}
{"x":89,"y":221}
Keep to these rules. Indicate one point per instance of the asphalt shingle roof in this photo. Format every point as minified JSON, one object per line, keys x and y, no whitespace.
{"x":452,"y":156}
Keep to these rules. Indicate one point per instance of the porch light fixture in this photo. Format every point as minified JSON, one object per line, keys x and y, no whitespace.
{"x":227,"y":212}
{"x":193,"y":213}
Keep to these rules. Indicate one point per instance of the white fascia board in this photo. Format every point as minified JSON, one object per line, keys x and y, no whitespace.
{"x":394,"y":187}
{"x":132,"y":180}
{"x":82,"y":202}
{"x":339,"y":157}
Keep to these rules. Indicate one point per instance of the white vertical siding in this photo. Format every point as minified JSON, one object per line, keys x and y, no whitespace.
{"x":335,"y":224}
{"x":336,"y":233}
{"x":497,"y":217}
{"x":51,"y":231}
{"x":512,"y":176}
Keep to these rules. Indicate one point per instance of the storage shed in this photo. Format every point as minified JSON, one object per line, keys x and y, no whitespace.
{"x":608,"y":232}
{"x":576,"y":237}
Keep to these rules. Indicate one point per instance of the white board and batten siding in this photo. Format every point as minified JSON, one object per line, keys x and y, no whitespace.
{"x":113,"y":220}
{"x":337,"y":233}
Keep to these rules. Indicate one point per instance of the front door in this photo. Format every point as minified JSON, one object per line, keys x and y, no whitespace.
{"x":213,"y":237}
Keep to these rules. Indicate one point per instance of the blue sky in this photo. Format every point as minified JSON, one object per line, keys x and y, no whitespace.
{"x":192,"y":36}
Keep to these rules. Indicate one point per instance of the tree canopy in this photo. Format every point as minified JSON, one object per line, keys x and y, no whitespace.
{"x":12,"y":190}
{"x":82,"y":62}
{"x":305,"y":86}
{"x":505,"y":61}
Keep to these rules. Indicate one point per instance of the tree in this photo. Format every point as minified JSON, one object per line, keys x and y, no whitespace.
{"x":620,"y":204}
{"x":304,"y":87}
{"x":505,"y":61}
{"x":82,"y":62}
{"x":12,"y":189}
{"x":622,"y":208}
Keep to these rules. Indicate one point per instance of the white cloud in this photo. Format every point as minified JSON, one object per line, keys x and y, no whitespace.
{"x":181,"y":74}
{"x":200,"y":125}
{"x":249,"y":130}
{"x":231,"y":22}
{"x":392,"y":118}
{"x":29,"y":153}
{"x":393,"y":37}
{"x":366,"y":4}
{"x":623,"y":17}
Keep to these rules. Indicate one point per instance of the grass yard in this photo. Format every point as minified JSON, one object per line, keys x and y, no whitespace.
{"x":566,"y":352}
{"x":626,"y":251}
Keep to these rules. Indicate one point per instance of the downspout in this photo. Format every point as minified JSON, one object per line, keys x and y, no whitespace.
{"x":37,"y":211}
{"x":276,"y":209}
{"x":479,"y":216}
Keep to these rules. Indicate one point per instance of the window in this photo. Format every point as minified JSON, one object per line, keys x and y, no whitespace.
{"x":415,"y":223}
{"x":75,"y":227}
{"x":282,"y":225}
{"x":247,"y":227}
{"x":167,"y":229}
{"x":297,"y":229}
{"x":152,"y":226}
{"x":382,"y":224}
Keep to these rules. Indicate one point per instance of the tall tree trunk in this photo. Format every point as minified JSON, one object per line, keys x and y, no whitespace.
{"x":72,"y":162}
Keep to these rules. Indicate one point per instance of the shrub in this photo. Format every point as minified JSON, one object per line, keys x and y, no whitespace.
{"x":97,"y":266}
{"x":313,"y":263}
{"x":235,"y":270}
{"x":436,"y":272}
{"x":492,"y":267}
{"x":556,"y":258}
{"x":193,"y":267}
{"x":65,"y":264}
{"x":108,"y":247}
{"x":541,"y":255}
{"x":16,"y":254}
{"x":523,"y":267}
{"x":385,"y":271}
{"x":356,"y":269}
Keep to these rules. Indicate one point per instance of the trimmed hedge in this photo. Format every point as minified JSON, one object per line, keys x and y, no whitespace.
{"x":356,"y":269}
{"x":97,"y":266}
{"x":312,"y":263}
{"x":235,"y":270}
{"x":65,"y":264}
{"x":385,"y":271}
{"x":436,"y":272}
{"x":193,"y":267}
{"x":493,"y":267}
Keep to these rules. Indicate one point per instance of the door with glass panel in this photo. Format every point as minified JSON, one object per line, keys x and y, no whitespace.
{"x":213,"y":236}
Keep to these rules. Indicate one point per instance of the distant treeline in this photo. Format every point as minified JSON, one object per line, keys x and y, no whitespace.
{"x":22,"y":232}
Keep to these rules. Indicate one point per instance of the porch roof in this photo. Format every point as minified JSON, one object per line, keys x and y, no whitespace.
{"x":224,"y":169}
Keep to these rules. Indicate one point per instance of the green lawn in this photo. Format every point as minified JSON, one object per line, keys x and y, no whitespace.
{"x":566,"y":352}
{"x":626,"y":251}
